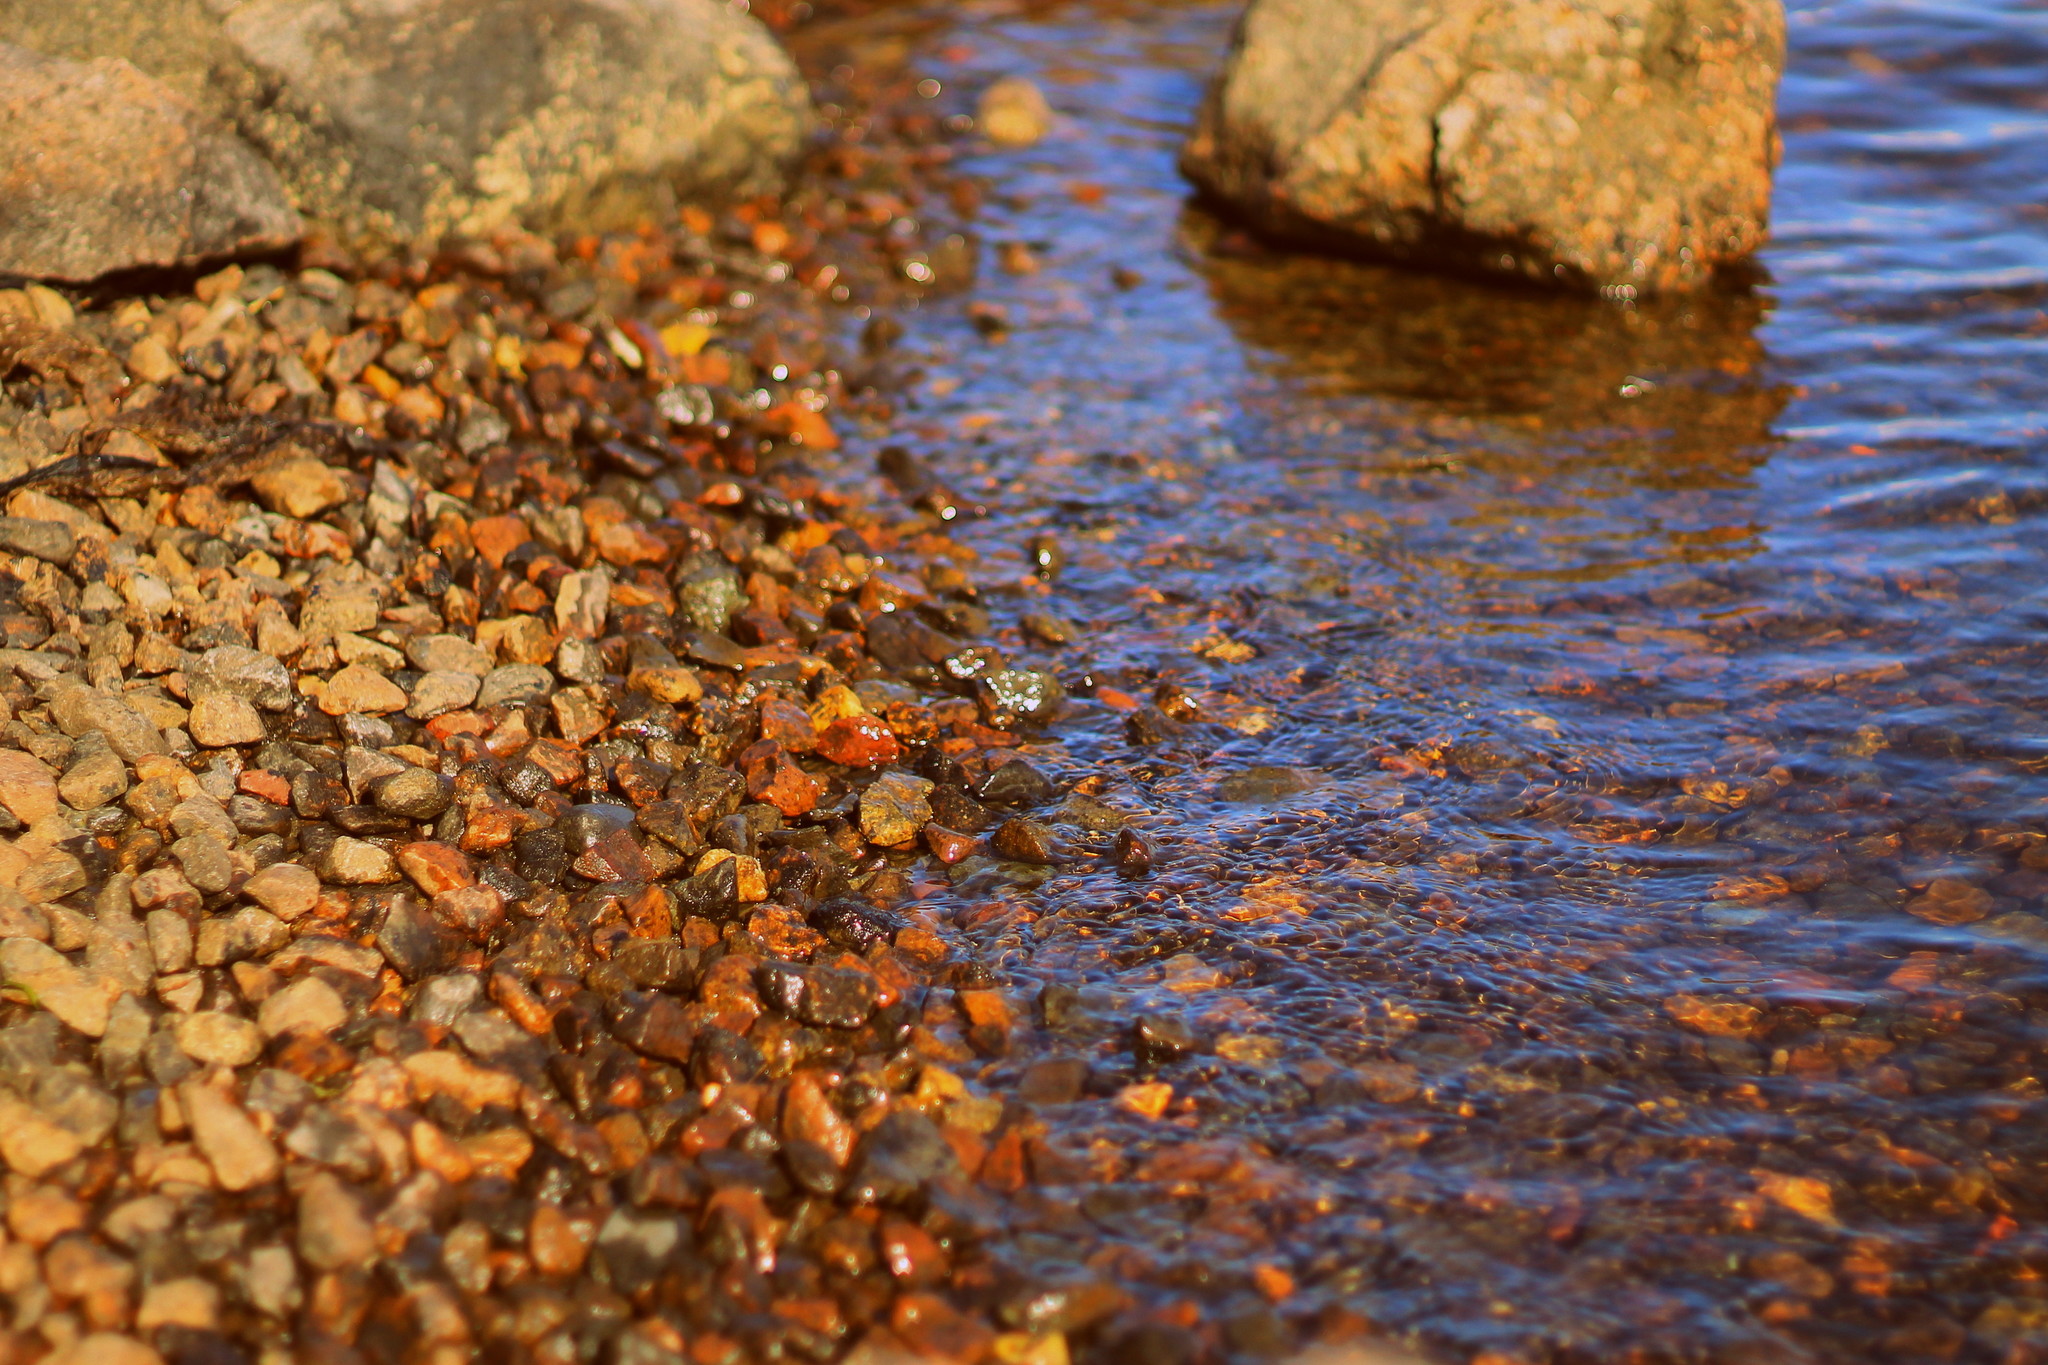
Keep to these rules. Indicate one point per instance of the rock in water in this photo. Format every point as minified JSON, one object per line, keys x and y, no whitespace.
{"x":106,"y":169}
{"x":1626,"y":144}
{"x":399,"y":120}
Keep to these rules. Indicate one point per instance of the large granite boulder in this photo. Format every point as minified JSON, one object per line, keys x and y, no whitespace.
{"x":103,"y":169}
{"x":1624,"y":144}
{"x":404,"y":120}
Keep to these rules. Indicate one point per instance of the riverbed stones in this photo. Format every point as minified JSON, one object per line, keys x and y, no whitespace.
{"x":1626,"y":146}
{"x":219,"y":720}
{"x":50,"y":541}
{"x":301,"y":488}
{"x":1013,"y":113}
{"x":286,"y":890}
{"x":418,"y":119}
{"x":360,"y":690}
{"x":893,"y":808}
{"x":216,"y":1039}
{"x":28,"y":789}
{"x":109,"y":169}
{"x":241,"y":1157}
{"x":250,"y":674}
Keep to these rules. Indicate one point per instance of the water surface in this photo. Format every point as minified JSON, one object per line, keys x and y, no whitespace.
{"x":1646,"y":958}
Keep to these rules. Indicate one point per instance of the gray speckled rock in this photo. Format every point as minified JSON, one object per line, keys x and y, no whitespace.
{"x":107,"y":169}
{"x":404,"y":119}
{"x":1615,"y":143}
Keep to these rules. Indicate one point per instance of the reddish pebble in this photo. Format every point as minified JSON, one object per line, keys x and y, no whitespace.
{"x":783,"y":785}
{"x":496,"y":537}
{"x":436,"y":868}
{"x":788,"y":725}
{"x":267,"y":785}
{"x":449,"y":724}
{"x":859,"y":742}
{"x":949,"y":846}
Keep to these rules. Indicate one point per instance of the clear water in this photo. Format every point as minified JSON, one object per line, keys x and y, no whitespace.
{"x":1669,"y":684}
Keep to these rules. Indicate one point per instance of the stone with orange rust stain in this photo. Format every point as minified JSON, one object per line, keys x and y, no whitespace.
{"x":558,"y":1242}
{"x":518,"y":1000}
{"x":496,"y":537}
{"x":617,"y":857}
{"x":1003,"y":1169}
{"x":474,"y":911}
{"x":788,"y":725}
{"x":269,"y":786}
{"x":1717,"y":1018}
{"x":469,"y":1085}
{"x":777,"y":780}
{"x":500,"y":1152}
{"x":627,"y":1137}
{"x":1148,"y":1099}
{"x":931,"y":1327}
{"x":785,"y":932}
{"x":628,"y":543}
{"x":809,"y":1115}
{"x":859,"y":742}
{"x":650,"y":913}
{"x":435,"y":1151}
{"x":1272,"y":1281}
{"x":436,"y":867}
{"x":949,"y":846}
{"x":562,"y":762}
{"x":801,"y":425}
{"x":490,"y":823}
{"x":910,"y":1254}
{"x":921,"y":945}
{"x":985,"y":1008}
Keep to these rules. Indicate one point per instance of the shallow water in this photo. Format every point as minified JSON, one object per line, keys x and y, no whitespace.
{"x":1648,"y":958}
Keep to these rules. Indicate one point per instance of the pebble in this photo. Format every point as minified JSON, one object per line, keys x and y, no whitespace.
{"x":415,"y":794}
{"x":1015,"y":783}
{"x":96,"y":776}
{"x":205,"y":861}
{"x":221,"y":719}
{"x":212,"y":1038}
{"x":104,"y":1348}
{"x":1024,"y":840}
{"x":334,"y":1230}
{"x":358,"y":689}
{"x":170,"y":940}
{"x":308,"y":1005}
{"x":28,"y":788}
{"x":511,"y":683}
{"x":356,"y":862}
{"x":300,"y":488}
{"x":443,"y":691}
{"x":57,"y":986}
{"x":1013,"y":113}
{"x":187,"y":1301}
{"x":859,"y":742}
{"x":893,"y":809}
{"x":286,"y":890}
{"x":435,"y":867}
{"x":254,"y":676}
{"x":32,"y":1145}
{"x":46,"y":540}
{"x":1264,"y":786}
{"x":1134,"y":854}
{"x":447,"y":654}
{"x":241,"y":1157}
